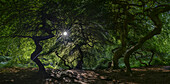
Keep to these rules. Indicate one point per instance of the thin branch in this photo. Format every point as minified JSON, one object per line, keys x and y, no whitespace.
{"x":140,"y":59}
{"x":20,"y":36}
{"x":63,"y":60}
{"x":149,"y":63}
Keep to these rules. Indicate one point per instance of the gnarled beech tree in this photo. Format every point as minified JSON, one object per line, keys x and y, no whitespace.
{"x":38,"y":20}
{"x":42,"y":20}
{"x":153,"y":14}
{"x":127,"y":18}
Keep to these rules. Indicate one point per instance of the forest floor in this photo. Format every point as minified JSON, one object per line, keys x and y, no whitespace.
{"x":142,"y":75}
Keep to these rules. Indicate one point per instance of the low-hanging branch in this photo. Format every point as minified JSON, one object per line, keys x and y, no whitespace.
{"x":142,"y":56}
{"x":139,"y":58}
{"x":63,"y":60}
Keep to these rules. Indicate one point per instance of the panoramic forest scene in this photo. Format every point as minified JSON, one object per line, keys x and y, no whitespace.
{"x":84,"y":42}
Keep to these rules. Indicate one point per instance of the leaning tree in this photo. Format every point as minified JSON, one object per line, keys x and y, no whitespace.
{"x":83,"y":34}
{"x":135,"y":22}
{"x":38,"y":20}
{"x":43,"y":20}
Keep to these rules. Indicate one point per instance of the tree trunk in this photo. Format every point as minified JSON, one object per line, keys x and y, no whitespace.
{"x":40,"y":65}
{"x":115,"y":63}
{"x":149,"y":63}
{"x":123,"y":38}
{"x":156,"y":31}
{"x":34,"y":57}
{"x":80,"y":62}
{"x":128,"y":53}
{"x":153,"y":14}
{"x":117,"y":55}
{"x":120,"y":51}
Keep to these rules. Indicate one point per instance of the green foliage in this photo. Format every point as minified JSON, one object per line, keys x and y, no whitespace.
{"x":158,"y":62}
{"x":4,"y":58}
{"x":103,"y":63}
{"x":94,"y":26}
{"x":161,"y":59}
{"x":18,"y":52}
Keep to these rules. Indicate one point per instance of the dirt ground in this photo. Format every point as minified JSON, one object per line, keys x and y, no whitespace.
{"x":142,"y":75}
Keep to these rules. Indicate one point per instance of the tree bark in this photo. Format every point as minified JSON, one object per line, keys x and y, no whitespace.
{"x":123,"y":38}
{"x":80,"y":62}
{"x":117,"y":55}
{"x":34,"y":55}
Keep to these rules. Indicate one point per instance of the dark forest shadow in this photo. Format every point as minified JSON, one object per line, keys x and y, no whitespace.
{"x":144,"y":75}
